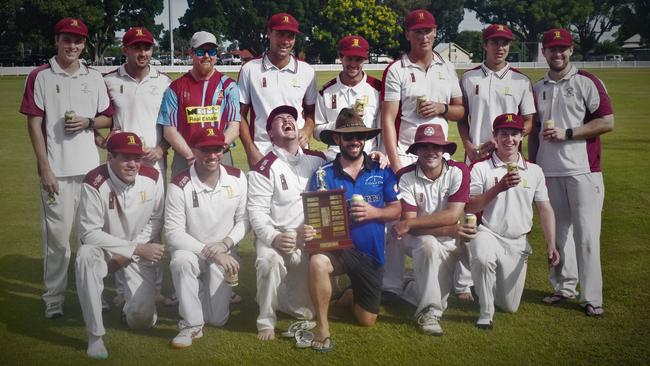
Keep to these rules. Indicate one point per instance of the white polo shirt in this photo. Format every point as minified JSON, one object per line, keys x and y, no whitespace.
{"x":274,"y":188}
{"x":49,"y":93}
{"x":264,"y":86}
{"x":334,"y":96}
{"x":116,"y":216}
{"x":196,"y":214}
{"x":425,"y":196}
{"x":137,"y":103}
{"x":488,"y":94}
{"x":404,"y":81}
{"x":510,"y":214}
{"x":574,"y":100}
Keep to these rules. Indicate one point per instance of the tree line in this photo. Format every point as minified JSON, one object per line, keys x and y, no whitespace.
{"x":28,"y":24}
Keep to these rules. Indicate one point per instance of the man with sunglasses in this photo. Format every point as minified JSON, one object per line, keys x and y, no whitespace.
{"x":276,"y":78}
{"x":358,"y":174}
{"x":205,"y":219}
{"x":136,"y":89}
{"x":275,"y":207}
{"x":120,"y":228}
{"x":203,"y":97}
{"x":64,"y":102}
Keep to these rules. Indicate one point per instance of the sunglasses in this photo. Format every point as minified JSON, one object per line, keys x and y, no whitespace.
{"x":199,"y":52}
{"x":361,"y":136}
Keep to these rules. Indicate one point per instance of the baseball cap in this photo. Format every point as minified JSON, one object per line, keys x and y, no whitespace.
{"x":419,"y":19}
{"x":72,"y":26}
{"x":348,"y":121}
{"x":207,"y":137}
{"x":137,"y":35}
{"x":497,"y":31}
{"x":353,"y":46}
{"x":283,"y":21}
{"x":431,"y":133}
{"x":557,"y":37}
{"x":508,"y":120}
{"x":279,"y":110}
{"x":125,"y":143}
{"x":202,"y":37}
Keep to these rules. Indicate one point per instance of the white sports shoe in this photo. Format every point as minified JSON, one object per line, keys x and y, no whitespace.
{"x":54,"y":310}
{"x":428,"y":322}
{"x":186,"y":335}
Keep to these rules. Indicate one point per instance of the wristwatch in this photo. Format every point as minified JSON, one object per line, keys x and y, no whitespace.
{"x":91,"y":124}
{"x":569,"y":134}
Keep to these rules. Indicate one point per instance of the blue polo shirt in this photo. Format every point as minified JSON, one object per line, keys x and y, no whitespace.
{"x":378,"y":187}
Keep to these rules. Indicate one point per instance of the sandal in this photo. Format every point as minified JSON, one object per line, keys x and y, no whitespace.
{"x":296,"y":326}
{"x":594,"y":311}
{"x":556,"y":298}
{"x":304,"y":338}
{"x":325,"y":345}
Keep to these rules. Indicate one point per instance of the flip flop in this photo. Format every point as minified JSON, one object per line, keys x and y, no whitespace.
{"x":325,"y":345}
{"x":296,"y":326}
{"x":594,"y":311}
{"x":304,"y":338}
{"x":555,"y":298}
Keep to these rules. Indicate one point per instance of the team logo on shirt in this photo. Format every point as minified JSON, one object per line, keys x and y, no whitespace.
{"x":569,"y":92}
{"x":229,"y":192}
{"x":283,"y":182}
{"x":84,"y":88}
{"x":295,"y":83}
{"x":98,"y":180}
{"x":506,"y":91}
{"x":206,"y":114}
{"x":143,"y":196}
{"x":375,"y":180}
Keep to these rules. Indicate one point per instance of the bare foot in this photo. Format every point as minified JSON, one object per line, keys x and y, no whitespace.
{"x":465,"y":297}
{"x":266,"y":334}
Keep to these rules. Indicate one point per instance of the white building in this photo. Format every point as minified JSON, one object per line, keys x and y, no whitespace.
{"x":456,"y":54}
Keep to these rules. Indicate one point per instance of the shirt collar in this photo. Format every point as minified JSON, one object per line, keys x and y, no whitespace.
{"x":420,"y":173}
{"x":437,"y":59}
{"x":284,"y":155}
{"x":357,"y":88}
{"x":117,"y":182}
{"x":83,"y":69}
{"x":496,"y":162}
{"x":500,"y":74}
{"x":199,"y":186}
{"x":338,"y":169}
{"x":292,"y":66}
{"x":569,"y":75}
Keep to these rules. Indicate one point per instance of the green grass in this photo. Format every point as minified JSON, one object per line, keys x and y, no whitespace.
{"x":537,"y":334}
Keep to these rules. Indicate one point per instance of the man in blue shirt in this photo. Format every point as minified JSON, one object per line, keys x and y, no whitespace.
{"x":354,"y":171}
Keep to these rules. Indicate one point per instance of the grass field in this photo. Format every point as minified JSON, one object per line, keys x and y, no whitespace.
{"x":537,"y":334}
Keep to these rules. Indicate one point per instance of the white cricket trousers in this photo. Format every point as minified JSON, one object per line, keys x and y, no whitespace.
{"x":498,"y":271}
{"x":203,"y":294}
{"x":433,"y":269}
{"x":578,"y":203}
{"x":282,"y":285}
{"x":91,"y":266}
{"x":58,"y":215}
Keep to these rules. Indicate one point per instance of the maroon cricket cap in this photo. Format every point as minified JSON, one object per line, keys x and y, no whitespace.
{"x":431,"y":134}
{"x":283,"y":21}
{"x":72,"y":26}
{"x":125,"y":143}
{"x":557,"y":37}
{"x":353,"y":46}
{"x":497,"y":31}
{"x":137,"y":35}
{"x":207,"y":137}
{"x":508,"y":120}
{"x":419,"y":19}
{"x":279,"y":110}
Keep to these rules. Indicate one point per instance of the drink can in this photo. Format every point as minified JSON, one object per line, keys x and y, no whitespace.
{"x":69,"y":115}
{"x":294,"y":235}
{"x":418,"y":102}
{"x":357,"y":198}
{"x":232,"y":280}
{"x":512,"y":167}
{"x":360,"y":105}
{"x":470,"y":219}
{"x":549,"y":123}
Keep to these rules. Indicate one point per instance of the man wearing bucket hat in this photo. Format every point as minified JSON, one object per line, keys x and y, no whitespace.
{"x":64,"y":101}
{"x":203,"y":97}
{"x":120,"y":222}
{"x":275,"y":210}
{"x":575,"y":109}
{"x":503,"y":187}
{"x":358,"y":174}
{"x":276,"y":78}
{"x":352,"y":88}
{"x":420,"y":87}
{"x":205,"y":219}
{"x":434,"y":193}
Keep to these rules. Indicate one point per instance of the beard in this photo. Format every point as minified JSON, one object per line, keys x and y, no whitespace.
{"x":352,"y":157}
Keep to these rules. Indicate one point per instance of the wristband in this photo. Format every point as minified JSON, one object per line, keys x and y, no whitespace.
{"x":91,"y":124}
{"x":446,"y":110}
{"x":569,"y":134}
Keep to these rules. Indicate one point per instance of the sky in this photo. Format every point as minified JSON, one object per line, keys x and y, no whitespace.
{"x":179,"y":6}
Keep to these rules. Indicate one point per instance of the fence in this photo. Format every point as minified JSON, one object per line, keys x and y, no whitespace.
{"x":24,"y":70}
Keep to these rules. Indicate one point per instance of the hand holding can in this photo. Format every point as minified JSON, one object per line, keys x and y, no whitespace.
{"x":67,"y":120}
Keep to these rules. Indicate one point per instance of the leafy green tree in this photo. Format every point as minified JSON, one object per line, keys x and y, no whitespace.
{"x":634,"y":19}
{"x":472,"y":41}
{"x":378,"y":24}
{"x":591,"y":26}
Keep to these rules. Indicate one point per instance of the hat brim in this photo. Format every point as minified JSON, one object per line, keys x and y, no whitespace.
{"x":499,"y":35}
{"x":422,"y":26}
{"x":132,"y":150}
{"x":355,"y":53}
{"x":139,"y":41}
{"x":327,"y":136}
{"x":557,"y":43}
{"x":286,"y":28}
{"x":209,"y":144}
{"x":449,"y":147}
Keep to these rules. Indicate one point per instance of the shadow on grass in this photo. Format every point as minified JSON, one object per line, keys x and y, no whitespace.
{"x":533,"y":296}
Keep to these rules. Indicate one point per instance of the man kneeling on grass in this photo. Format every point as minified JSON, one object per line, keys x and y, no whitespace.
{"x":504,"y":186}
{"x":358,"y":174}
{"x":120,"y":220}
